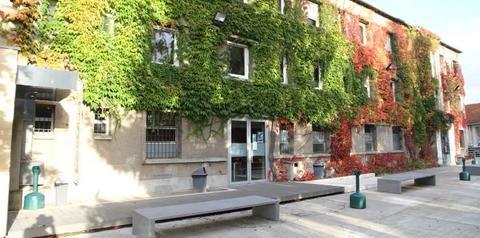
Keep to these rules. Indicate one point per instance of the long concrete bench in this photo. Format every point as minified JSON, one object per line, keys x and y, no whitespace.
{"x":473,"y":170}
{"x":144,"y":219}
{"x":393,"y":183}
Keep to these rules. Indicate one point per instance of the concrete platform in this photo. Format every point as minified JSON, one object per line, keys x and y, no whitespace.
{"x":450,"y":209}
{"x":78,"y":218}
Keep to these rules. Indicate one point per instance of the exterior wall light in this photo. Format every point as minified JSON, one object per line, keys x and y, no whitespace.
{"x":219,"y":18}
{"x":391,"y":66}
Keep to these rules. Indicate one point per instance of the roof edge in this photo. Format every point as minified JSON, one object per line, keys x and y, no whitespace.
{"x":397,"y":20}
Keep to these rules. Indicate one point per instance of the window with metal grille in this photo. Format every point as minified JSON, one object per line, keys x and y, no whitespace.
{"x":370,"y":138}
{"x":101,"y":123}
{"x":397,"y":137}
{"x":321,"y":142}
{"x":286,"y":139}
{"x":44,"y":117}
{"x":161,"y":135}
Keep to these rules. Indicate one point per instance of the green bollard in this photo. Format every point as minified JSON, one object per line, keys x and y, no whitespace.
{"x":358,"y":200}
{"x":34,"y":200}
{"x":464,"y":175}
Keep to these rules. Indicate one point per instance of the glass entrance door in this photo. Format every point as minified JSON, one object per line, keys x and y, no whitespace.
{"x":247,"y":160}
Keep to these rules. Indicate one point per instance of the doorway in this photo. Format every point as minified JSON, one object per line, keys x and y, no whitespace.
{"x":247,"y":140}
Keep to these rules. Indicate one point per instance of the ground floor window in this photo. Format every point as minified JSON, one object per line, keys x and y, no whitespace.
{"x":101,"y":124}
{"x":321,"y":140}
{"x":161,"y":135}
{"x":462,"y":139}
{"x":370,"y":138}
{"x":397,"y":137}
{"x":44,"y":117}
{"x":286,"y":138}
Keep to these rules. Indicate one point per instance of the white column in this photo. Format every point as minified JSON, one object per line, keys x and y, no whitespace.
{"x":438,"y":142}
{"x":451,"y":141}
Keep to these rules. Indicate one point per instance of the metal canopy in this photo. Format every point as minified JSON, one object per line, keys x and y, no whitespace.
{"x":47,"y":78}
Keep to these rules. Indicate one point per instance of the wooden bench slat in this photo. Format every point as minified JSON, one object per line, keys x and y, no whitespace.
{"x":199,"y":208}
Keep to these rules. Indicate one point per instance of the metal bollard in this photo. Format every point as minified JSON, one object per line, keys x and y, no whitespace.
{"x":34,"y":200}
{"x":358,"y":200}
{"x":464,"y":175}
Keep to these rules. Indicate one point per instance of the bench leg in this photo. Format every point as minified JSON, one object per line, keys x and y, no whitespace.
{"x":270,"y":212}
{"x":142,"y":227}
{"x":425,"y":181}
{"x":389,"y":186}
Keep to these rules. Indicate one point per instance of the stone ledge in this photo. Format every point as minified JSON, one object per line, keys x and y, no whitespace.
{"x":183,"y":161}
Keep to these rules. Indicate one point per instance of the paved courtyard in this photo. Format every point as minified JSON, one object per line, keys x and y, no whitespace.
{"x":450,"y":209}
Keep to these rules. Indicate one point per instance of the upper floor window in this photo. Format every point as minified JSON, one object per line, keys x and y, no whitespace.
{"x":388,"y":43}
{"x":44,"y":117}
{"x":284,"y":69}
{"x":321,"y":140}
{"x":238,"y":60}
{"x":108,"y":24}
{"x":161,"y":135}
{"x":393,"y":84}
{"x":397,"y":137}
{"x":312,"y":13}
{"x":317,"y":77}
{"x":101,"y":124}
{"x":281,"y":6}
{"x":370,"y":137}
{"x":286,"y":138}
{"x":363,"y":33}
{"x":367,"y":86}
{"x":165,"y":46}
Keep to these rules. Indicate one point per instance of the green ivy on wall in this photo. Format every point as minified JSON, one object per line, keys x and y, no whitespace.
{"x":118,"y":74}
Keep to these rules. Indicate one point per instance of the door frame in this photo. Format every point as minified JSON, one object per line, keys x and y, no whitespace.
{"x":249,"y":150}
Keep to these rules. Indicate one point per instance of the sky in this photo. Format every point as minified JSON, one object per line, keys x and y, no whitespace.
{"x":457,"y":22}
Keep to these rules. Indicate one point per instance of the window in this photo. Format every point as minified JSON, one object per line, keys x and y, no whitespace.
{"x":397,"y":138}
{"x":368,"y":87}
{"x":165,"y":44}
{"x":281,"y":6}
{"x":388,"y":44}
{"x":393,"y":84}
{"x":312,"y":13}
{"x":462,"y":139}
{"x":363,"y":33}
{"x":101,"y":124}
{"x":321,"y":140}
{"x":284,"y":70}
{"x":108,"y":24}
{"x":286,"y":138}
{"x":161,"y":135}
{"x":238,"y":60}
{"x":317,"y":77}
{"x":477,"y":132}
{"x":433,"y":64}
{"x":370,"y":138}
{"x":44,"y":117}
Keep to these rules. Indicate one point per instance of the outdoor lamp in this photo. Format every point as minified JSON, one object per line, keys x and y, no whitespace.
{"x":391,"y":66}
{"x":219,"y":18}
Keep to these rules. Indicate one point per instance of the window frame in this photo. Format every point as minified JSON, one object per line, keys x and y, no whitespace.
{"x":52,"y":118}
{"x":284,"y":70}
{"x":290,"y":131}
{"x":373,"y":134}
{"x":318,"y":83}
{"x":246,"y":60}
{"x":176,"y":142}
{"x":393,"y":85}
{"x":367,"y":86}
{"x":281,"y":5}
{"x":174,"y":50}
{"x":105,"y":121}
{"x":326,"y":140}
{"x":316,"y":14}
{"x":388,"y":43}
{"x":363,"y":33}
{"x":396,"y":129}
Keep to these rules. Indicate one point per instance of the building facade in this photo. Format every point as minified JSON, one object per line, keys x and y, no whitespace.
{"x":120,"y":105}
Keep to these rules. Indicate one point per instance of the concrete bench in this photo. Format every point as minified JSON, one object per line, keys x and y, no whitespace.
{"x":144,"y":219}
{"x":473,"y":170}
{"x":393,"y":183}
